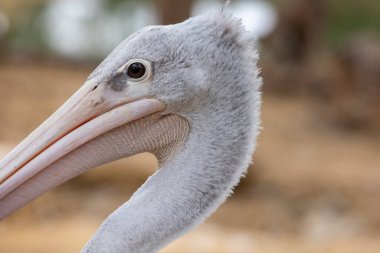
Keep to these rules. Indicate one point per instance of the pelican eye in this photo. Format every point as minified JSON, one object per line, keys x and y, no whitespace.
{"x":136,"y":70}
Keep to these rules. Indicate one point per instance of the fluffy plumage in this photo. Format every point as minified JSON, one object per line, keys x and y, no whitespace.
{"x":205,"y":71}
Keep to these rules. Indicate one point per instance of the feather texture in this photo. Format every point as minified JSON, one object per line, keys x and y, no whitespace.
{"x":205,"y":71}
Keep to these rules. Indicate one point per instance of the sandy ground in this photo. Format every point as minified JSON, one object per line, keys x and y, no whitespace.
{"x":313,"y":187}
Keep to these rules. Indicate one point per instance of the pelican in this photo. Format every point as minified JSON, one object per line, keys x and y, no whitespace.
{"x":189,"y":93}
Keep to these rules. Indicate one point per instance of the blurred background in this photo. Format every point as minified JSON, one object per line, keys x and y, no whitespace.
{"x":314,"y":186}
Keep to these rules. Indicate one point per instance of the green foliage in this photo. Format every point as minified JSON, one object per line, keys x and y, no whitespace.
{"x":114,"y":5}
{"x":349,"y":17}
{"x":345,"y":18}
{"x":26,"y":32}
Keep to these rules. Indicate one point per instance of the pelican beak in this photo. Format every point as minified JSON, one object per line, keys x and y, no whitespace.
{"x":92,"y":111}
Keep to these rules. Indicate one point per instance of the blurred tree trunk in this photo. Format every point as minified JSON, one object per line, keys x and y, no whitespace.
{"x":173,"y":11}
{"x":295,"y":59}
{"x":300,"y":29}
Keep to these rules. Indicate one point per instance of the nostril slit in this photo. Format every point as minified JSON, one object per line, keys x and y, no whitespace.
{"x":95,"y":87}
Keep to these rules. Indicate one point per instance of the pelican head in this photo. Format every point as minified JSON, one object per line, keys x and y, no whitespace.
{"x":188,"y":93}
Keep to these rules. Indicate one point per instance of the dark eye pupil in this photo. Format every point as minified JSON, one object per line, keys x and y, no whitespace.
{"x":136,"y":70}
